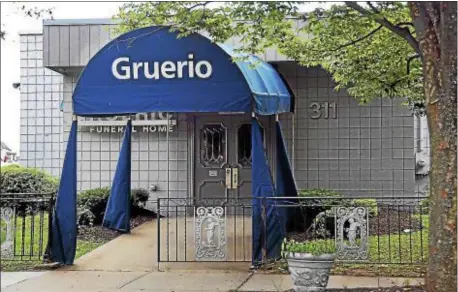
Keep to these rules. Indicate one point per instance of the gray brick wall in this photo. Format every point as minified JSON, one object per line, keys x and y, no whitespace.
{"x":366,"y":150}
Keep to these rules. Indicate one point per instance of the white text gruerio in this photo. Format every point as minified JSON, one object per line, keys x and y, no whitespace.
{"x":123,"y":69}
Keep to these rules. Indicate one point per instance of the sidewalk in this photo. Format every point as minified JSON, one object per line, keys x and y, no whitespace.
{"x":11,"y":278}
{"x":178,"y":281}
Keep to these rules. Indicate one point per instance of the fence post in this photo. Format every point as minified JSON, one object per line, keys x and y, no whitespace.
{"x":264,"y":230}
{"x":47,"y":253}
{"x":158,"y":232}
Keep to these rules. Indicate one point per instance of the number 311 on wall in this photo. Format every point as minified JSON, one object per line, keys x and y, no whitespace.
{"x":324,"y":110}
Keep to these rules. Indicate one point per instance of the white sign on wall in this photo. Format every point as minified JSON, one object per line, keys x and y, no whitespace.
{"x":144,"y":122}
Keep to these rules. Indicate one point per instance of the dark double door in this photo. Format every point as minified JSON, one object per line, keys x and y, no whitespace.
{"x":223,"y":155}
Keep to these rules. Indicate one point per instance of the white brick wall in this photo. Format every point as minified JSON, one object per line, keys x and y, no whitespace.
{"x":41,"y":119}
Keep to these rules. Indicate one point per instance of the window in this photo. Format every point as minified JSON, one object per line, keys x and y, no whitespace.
{"x":244,"y":145}
{"x":213,"y":145}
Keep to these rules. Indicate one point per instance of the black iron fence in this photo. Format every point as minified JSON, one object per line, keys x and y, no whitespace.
{"x":377,"y":231}
{"x":359,"y":229}
{"x":25,"y":226}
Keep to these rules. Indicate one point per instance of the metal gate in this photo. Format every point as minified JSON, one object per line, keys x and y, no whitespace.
{"x":206,"y":230}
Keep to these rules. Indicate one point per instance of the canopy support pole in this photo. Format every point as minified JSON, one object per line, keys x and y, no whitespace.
{"x":168,"y":183}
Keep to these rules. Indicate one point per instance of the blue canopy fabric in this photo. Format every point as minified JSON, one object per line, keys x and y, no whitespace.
{"x":267,"y":225}
{"x":117,"y":213}
{"x":151,"y":69}
{"x":285,"y":182}
{"x":270,"y":93}
{"x":64,"y":228}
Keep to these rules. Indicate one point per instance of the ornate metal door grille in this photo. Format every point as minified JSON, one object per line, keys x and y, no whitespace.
{"x":213,"y":145}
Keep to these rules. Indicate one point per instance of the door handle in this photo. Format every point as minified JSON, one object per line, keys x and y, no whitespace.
{"x":235,"y":178}
{"x":228,"y":178}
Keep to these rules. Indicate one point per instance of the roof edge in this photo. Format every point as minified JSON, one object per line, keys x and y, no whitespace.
{"x":81,"y":21}
{"x":30,"y":32}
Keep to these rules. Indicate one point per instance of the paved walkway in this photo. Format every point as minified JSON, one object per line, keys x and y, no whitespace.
{"x":137,"y":252}
{"x":184,"y":281}
{"x":11,"y":278}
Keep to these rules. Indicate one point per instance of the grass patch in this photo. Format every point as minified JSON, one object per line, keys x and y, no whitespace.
{"x":394,"y":255}
{"x":83,"y":247}
{"x":31,"y":240}
{"x":31,"y":236}
{"x":379,"y":270}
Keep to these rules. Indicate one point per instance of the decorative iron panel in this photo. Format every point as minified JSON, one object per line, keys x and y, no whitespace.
{"x":210,"y":234}
{"x":352,"y":232}
{"x":7,"y":245}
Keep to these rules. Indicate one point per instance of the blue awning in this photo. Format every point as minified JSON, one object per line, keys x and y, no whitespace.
{"x":151,"y":70}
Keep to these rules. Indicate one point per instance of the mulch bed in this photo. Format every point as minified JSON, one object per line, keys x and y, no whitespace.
{"x":393,"y":221}
{"x":389,"y":220}
{"x":101,"y":234}
{"x":391,"y":289}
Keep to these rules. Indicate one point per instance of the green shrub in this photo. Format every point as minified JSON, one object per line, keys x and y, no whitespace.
{"x":322,"y":193}
{"x":18,"y":179}
{"x":85,"y":217}
{"x":328,"y":203}
{"x":319,"y":193}
{"x":315,"y":247}
{"x":92,"y":204}
{"x":95,"y":201}
{"x":139,"y":197}
{"x":371,"y":204}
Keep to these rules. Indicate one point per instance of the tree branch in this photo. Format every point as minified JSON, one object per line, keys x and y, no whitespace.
{"x":359,"y":39}
{"x":189,"y":9}
{"x":409,"y":60}
{"x":373,"y":7}
{"x":400,"y":31}
{"x":404,"y":23}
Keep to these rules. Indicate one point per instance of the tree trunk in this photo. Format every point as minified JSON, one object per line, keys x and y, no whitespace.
{"x":435,"y":25}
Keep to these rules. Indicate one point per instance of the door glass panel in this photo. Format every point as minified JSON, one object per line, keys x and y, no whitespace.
{"x":213,"y":145}
{"x":244,"y":144}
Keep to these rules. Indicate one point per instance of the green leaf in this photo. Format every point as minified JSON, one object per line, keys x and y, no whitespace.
{"x":368,"y":61}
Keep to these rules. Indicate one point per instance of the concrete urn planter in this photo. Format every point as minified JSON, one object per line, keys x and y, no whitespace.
{"x":309,"y":272}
